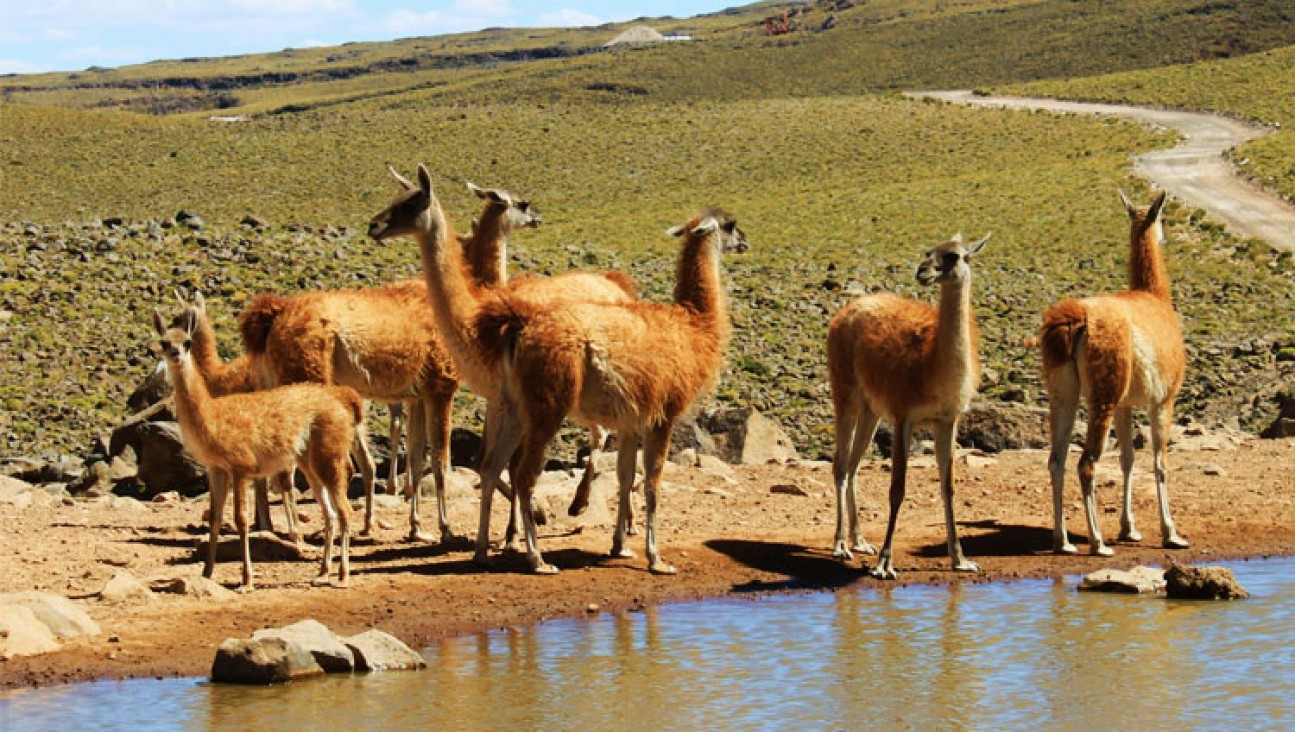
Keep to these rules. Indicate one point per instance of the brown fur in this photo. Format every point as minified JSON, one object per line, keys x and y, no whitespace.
{"x":447,"y":269}
{"x":909,"y":363}
{"x":1116,"y":352}
{"x":233,"y":377}
{"x":242,"y":436}
{"x":635,"y":366}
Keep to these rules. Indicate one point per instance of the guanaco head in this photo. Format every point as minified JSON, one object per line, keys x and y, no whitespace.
{"x":714,"y":221}
{"x":192,"y":307}
{"x":517,"y":212}
{"x":949,"y":262}
{"x":174,"y":340}
{"x":1145,"y":220}
{"x":413,"y":212}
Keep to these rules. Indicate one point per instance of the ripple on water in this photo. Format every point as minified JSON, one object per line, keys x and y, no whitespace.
{"x":1031,"y":654}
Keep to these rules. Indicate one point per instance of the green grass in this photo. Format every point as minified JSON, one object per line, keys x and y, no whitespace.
{"x":839,"y":190}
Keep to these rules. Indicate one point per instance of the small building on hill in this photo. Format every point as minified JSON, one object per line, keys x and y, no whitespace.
{"x":635,"y":35}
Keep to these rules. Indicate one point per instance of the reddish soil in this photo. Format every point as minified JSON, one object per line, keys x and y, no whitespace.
{"x":727,"y":537}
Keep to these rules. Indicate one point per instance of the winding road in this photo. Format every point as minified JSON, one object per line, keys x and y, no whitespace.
{"x":1195,"y":171}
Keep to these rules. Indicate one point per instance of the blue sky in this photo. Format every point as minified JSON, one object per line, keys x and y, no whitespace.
{"x":71,"y":35}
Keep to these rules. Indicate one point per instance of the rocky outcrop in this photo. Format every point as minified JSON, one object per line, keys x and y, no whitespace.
{"x":994,"y":427}
{"x":743,"y":436}
{"x":308,"y":648}
{"x":1202,"y":583}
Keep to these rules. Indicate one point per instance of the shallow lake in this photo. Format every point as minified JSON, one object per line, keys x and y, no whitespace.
{"x":1023,"y":655}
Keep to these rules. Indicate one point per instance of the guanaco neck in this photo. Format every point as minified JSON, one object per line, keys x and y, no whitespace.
{"x":487,"y":248}
{"x":697,"y":284}
{"x":955,"y":339}
{"x":1146,"y":260}
{"x":192,"y":399}
{"x":454,"y":299}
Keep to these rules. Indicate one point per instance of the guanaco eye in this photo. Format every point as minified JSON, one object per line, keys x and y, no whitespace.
{"x":524,"y":206}
{"x":950,"y":259}
{"x":729,"y":226}
{"x":187,"y":343}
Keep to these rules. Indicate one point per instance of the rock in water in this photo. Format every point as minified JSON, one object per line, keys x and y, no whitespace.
{"x":1139,"y":580}
{"x":1202,"y":583}
{"x":329,"y":651}
{"x":262,"y":661}
{"x":378,"y":651}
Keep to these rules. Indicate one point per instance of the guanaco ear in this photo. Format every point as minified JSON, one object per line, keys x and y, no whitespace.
{"x":677,"y":230}
{"x":179,"y":295}
{"x":974,"y":249}
{"x":424,"y":179}
{"x":1129,"y":208}
{"x":404,"y":182}
{"x":956,"y":238}
{"x":1156,"y":205}
{"x":199,"y":303}
{"x":159,"y":322}
{"x":487,"y":194}
{"x":708,"y":225}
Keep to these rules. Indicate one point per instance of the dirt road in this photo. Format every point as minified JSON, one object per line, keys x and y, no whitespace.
{"x":1194,"y":171}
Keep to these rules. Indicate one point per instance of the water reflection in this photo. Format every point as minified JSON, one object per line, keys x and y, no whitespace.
{"x":1029,"y":654}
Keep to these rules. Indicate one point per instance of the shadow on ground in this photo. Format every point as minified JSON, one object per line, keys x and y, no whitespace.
{"x":803,"y":568}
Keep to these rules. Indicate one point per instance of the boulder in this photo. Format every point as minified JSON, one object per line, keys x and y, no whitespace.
{"x":378,"y":651}
{"x":1202,"y":583}
{"x":994,"y":427}
{"x":163,"y":463}
{"x":96,"y":481}
{"x":324,"y":645}
{"x":64,"y":618}
{"x":1139,"y":580}
{"x":1284,"y":424}
{"x":262,"y":661}
{"x":11,"y":488}
{"x":689,"y":436}
{"x":155,"y":388}
{"x":743,"y":436}
{"x":125,"y":587}
{"x":23,"y":634}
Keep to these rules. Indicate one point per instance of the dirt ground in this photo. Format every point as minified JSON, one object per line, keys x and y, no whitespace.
{"x":763,"y":529}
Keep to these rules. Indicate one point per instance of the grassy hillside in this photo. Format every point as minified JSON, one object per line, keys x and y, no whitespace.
{"x":840,"y":191}
{"x":871,"y":45}
{"x":1260,"y":87}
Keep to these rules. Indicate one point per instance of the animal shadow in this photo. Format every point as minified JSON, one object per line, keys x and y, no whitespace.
{"x":804,"y":568}
{"x":1001,"y":540}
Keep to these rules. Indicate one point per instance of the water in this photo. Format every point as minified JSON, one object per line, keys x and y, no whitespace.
{"x":1034,"y":655}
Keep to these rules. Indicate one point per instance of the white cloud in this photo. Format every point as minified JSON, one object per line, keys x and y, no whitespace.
{"x":16,"y":66}
{"x":568,"y":18}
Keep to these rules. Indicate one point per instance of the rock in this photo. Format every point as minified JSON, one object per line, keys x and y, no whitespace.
{"x":125,"y":587}
{"x":328,"y":650}
{"x":1213,"y":470}
{"x":994,"y":427}
{"x":743,"y":436}
{"x":789,"y":489}
{"x":465,"y":447}
{"x":1202,"y":583}
{"x":1139,"y":580}
{"x":689,"y":436}
{"x":199,"y":587}
{"x":64,"y":618}
{"x":263,"y":661}
{"x":11,"y":488}
{"x":23,"y":634}
{"x":96,"y":481}
{"x":155,"y":387}
{"x":191,"y":220}
{"x":163,"y":463}
{"x":378,"y":651}
{"x":1284,"y":424}
{"x":713,"y":467}
{"x":975,"y":461}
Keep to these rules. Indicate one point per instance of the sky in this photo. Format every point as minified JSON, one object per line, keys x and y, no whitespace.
{"x":72,"y":35}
